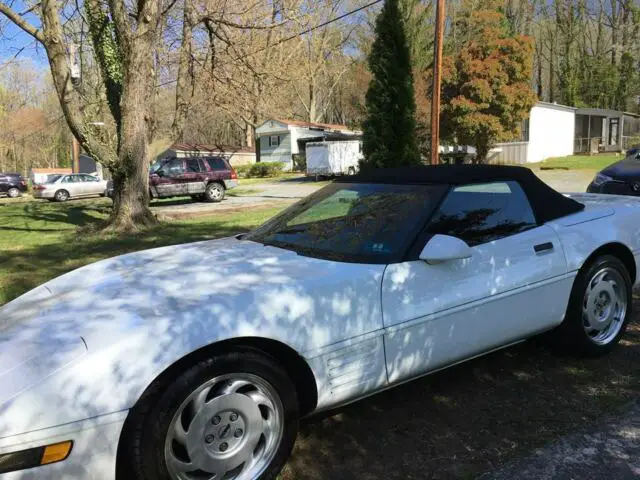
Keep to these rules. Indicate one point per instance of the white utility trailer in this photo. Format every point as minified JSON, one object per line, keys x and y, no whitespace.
{"x":333,"y":157}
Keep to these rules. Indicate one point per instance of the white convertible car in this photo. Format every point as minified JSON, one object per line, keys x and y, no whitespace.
{"x":197,"y":361}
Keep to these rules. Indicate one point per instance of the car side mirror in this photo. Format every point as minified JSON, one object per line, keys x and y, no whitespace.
{"x":160,"y":173}
{"x":444,"y":248}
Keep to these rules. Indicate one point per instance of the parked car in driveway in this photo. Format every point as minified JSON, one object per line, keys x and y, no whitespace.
{"x":201,"y":178}
{"x":620,"y":178}
{"x":61,"y":188}
{"x":197,"y":361}
{"x":12,"y":184}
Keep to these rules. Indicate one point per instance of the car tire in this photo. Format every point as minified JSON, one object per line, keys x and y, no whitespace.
{"x":61,"y":196}
{"x":599,"y":309}
{"x":214,"y":192}
{"x":13,"y":192}
{"x":244,"y":383}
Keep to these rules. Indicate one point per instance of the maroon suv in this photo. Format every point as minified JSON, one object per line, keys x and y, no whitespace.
{"x":202,"y":178}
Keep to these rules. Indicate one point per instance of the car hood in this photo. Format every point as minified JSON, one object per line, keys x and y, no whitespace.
{"x":91,"y":341}
{"x":153,"y":283}
{"x":629,"y":168}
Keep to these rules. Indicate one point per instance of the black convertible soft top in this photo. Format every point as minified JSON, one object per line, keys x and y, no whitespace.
{"x":546,"y":203}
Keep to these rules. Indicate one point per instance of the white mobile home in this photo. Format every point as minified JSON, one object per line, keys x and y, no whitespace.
{"x":333,"y":157}
{"x":283,"y":140}
{"x":548,"y":132}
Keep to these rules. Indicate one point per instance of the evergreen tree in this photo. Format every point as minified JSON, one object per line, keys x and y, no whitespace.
{"x":389,"y":128}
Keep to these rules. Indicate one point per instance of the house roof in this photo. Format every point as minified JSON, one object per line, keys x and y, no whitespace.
{"x":203,"y":147}
{"x":555,"y":106}
{"x":300,"y":123}
{"x":605,"y":112}
{"x":51,"y":170}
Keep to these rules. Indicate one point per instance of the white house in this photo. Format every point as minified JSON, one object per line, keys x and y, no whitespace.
{"x":283,"y":140}
{"x":548,"y":132}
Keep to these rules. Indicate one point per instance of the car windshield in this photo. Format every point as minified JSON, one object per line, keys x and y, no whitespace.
{"x":371,"y":223}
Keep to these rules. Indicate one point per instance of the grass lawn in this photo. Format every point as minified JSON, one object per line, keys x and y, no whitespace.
{"x":579,"y":162}
{"x":39,"y":240}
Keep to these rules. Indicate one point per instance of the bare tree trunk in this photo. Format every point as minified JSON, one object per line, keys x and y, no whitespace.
{"x":248,"y":134}
{"x":131,"y":177}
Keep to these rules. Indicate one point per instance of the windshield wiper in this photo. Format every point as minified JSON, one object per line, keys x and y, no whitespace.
{"x":290,"y":230}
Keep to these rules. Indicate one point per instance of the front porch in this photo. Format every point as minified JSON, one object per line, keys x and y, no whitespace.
{"x":600,"y":130}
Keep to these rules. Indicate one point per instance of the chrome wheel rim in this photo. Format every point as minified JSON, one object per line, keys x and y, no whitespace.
{"x":228,"y":428}
{"x":13,"y":192}
{"x":215,"y":192}
{"x":62,"y":196}
{"x":604,"y":306}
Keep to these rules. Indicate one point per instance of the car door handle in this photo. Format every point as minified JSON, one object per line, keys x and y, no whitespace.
{"x":543,"y":247}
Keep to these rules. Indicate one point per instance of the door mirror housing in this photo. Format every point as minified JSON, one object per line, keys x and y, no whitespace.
{"x":160,"y":173}
{"x":444,"y":248}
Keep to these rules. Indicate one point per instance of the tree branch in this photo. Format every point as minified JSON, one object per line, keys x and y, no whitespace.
{"x":122,"y":26}
{"x":185,"y":87}
{"x":16,"y":18}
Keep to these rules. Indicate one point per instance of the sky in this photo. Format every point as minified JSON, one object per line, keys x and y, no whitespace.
{"x":13,"y":39}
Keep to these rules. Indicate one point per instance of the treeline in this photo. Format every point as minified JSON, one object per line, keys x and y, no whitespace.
{"x":251,"y":65}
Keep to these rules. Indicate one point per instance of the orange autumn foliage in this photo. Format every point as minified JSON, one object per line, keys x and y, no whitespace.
{"x":486,"y":89}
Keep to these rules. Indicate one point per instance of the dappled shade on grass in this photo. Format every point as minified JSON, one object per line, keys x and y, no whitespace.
{"x":39,"y":241}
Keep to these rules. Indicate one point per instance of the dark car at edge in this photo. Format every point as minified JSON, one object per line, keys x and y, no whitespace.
{"x":12,"y":184}
{"x":620,"y":178}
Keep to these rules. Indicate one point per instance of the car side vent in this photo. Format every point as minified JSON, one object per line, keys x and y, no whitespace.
{"x":353,"y":367}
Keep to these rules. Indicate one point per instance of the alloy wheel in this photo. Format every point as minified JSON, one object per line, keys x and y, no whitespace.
{"x":604,"y":306}
{"x":230,"y":427}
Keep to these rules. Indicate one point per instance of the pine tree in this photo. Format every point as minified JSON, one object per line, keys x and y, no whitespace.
{"x":389,"y":128}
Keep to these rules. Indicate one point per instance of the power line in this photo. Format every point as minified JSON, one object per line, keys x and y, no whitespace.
{"x":296,"y":35}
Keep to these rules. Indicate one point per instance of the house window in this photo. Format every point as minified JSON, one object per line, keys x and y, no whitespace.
{"x":274,"y":140}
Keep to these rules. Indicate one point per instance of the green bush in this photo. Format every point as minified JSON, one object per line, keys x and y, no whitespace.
{"x":242,"y":170}
{"x":264,"y":169}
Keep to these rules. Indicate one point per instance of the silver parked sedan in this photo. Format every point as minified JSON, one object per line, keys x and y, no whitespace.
{"x":63,"y":187}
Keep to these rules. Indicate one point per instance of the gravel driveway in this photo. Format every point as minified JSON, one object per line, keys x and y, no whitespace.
{"x":611,"y":452}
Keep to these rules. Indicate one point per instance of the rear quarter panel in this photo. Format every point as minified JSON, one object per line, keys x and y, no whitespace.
{"x":607,"y":219}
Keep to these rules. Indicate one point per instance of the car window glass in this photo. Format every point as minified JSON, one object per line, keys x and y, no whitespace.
{"x":217,"y":163}
{"x":481,"y":213}
{"x":192,"y":165}
{"x":173,"y":167}
{"x":68,"y":179}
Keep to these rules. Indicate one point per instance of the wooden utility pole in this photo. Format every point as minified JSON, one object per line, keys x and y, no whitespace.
{"x":75,"y":155}
{"x":437,"y":82}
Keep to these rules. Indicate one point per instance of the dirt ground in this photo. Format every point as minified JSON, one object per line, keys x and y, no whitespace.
{"x":471,"y":419}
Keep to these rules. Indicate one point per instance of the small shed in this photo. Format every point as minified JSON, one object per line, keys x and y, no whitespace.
{"x":236,"y":155}
{"x":40,"y":175}
{"x":87,"y":164}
